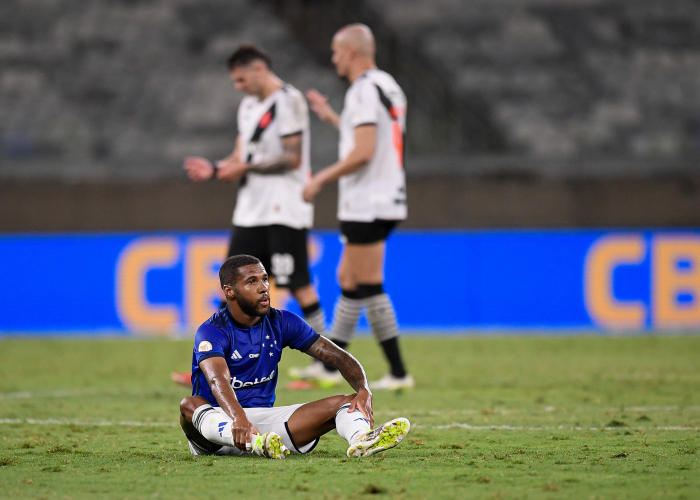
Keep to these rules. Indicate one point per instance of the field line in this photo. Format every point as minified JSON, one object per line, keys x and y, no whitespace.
{"x":454,"y":425}
{"x":54,"y":421}
{"x":460,"y":425}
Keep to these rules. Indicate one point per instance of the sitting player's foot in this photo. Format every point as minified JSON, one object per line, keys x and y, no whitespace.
{"x":382,"y":438}
{"x":390,"y":383}
{"x":269,"y":445}
{"x":316,"y":372}
{"x":182,"y":378}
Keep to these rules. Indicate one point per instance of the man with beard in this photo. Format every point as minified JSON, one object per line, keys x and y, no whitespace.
{"x":371,"y":197}
{"x":235,"y":368}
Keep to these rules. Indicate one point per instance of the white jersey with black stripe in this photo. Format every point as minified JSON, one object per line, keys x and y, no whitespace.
{"x":378,"y":189}
{"x":267,"y":199}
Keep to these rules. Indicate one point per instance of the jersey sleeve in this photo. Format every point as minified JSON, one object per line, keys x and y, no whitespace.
{"x":364,"y":105}
{"x":293,"y":114}
{"x":296,"y":333}
{"x":209,"y":342}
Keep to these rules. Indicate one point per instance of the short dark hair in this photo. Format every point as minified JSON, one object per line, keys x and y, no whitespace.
{"x":246,"y":54}
{"x":228,"y":272}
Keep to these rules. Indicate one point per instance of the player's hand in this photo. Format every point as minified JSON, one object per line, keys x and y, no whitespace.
{"x":312,"y":189}
{"x":198,"y":169}
{"x":242,"y":431}
{"x":231,"y":170}
{"x":363,"y":403}
{"x":319,"y":105}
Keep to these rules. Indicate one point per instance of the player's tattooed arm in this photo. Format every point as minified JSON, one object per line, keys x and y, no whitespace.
{"x":351,"y":369}
{"x":217,"y":374}
{"x":288,"y":160}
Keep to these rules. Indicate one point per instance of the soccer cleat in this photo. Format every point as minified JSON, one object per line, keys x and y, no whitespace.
{"x":269,"y":445}
{"x":316,"y":372}
{"x":182,"y":378}
{"x":390,"y":383}
{"x":382,"y":438}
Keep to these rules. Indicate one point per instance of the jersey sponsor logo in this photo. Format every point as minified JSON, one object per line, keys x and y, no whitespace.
{"x":240,"y":384}
{"x":253,"y":356}
{"x":236,"y":355}
{"x":204,"y":346}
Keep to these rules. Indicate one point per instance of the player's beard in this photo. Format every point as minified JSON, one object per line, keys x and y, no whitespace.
{"x":251,"y":308}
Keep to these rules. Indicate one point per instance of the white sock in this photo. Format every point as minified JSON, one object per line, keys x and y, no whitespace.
{"x":349,"y":424}
{"x":214,"y":425}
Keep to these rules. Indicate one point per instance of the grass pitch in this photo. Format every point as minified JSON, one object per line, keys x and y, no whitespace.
{"x":506,"y":417}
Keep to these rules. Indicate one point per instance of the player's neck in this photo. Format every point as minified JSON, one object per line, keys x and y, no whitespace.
{"x":271,"y":85}
{"x":360,"y":68}
{"x":240,"y":317}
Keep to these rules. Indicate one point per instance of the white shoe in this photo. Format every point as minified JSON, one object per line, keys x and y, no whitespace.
{"x":390,"y":383}
{"x":382,"y":438}
{"x":269,"y":445}
{"x":316,"y":372}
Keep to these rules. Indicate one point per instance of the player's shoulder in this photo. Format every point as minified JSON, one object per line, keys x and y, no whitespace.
{"x":220,"y":320}
{"x":377,"y":77}
{"x":291,"y":95}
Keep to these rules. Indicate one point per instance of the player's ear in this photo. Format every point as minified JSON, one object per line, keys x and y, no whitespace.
{"x":228,"y":292}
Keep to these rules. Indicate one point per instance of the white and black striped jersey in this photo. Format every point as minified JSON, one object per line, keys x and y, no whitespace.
{"x":275,"y":198}
{"x":378,"y":189}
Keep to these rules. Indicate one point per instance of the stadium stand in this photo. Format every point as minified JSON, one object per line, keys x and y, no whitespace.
{"x":553,"y":113}
{"x":570,"y":79}
{"x":125,"y":89}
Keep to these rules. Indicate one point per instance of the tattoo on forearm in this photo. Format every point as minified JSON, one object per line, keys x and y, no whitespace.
{"x":280,"y":164}
{"x":351,"y":369}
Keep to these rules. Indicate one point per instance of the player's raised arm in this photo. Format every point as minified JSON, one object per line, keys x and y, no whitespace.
{"x":217,"y":374}
{"x":319,"y":105}
{"x":326,"y":351}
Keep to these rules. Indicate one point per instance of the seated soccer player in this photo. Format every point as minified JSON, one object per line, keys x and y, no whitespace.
{"x":234,"y":375}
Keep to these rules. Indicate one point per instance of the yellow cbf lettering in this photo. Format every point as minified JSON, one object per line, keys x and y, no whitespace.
{"x":202,"y":286}
{"x":603,"y":258}
{"x":676,"y":272}
{"x":133,"y":308}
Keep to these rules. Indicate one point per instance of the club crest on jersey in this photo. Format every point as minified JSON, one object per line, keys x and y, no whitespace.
{"x":239,"y":384}
{"x":204,"y":346}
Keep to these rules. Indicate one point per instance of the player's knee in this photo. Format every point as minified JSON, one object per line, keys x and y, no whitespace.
{"x":346,"y":280}
{"x":346,"y":399}
{"x":188,"y":406}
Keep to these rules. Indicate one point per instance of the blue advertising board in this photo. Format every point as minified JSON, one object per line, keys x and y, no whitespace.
{"x":438,"y":280}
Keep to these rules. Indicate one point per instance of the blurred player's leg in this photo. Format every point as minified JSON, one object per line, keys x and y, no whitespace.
{"x":363,"y":268}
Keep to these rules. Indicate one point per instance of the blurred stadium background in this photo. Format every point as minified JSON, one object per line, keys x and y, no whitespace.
{"x":553,"y":151}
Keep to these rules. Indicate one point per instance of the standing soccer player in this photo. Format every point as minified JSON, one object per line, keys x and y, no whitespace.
{"x":271,"y":159}
{"x":372,"y":196}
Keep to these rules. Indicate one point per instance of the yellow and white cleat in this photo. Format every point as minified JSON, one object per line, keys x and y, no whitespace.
{"x":382,"y":438}
{"x":269,"y":445}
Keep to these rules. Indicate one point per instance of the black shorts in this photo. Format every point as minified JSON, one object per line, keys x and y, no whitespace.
{"x":281,"y":249}
{"x":363,"y":233}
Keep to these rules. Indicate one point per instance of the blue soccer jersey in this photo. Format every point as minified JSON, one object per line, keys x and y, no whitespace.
{"x":251,"y":353}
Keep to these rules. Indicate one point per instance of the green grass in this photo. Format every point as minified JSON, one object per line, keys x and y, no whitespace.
{"x":505,"y":417}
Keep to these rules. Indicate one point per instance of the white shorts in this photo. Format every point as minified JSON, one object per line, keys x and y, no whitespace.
{"x":265,"y":419}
